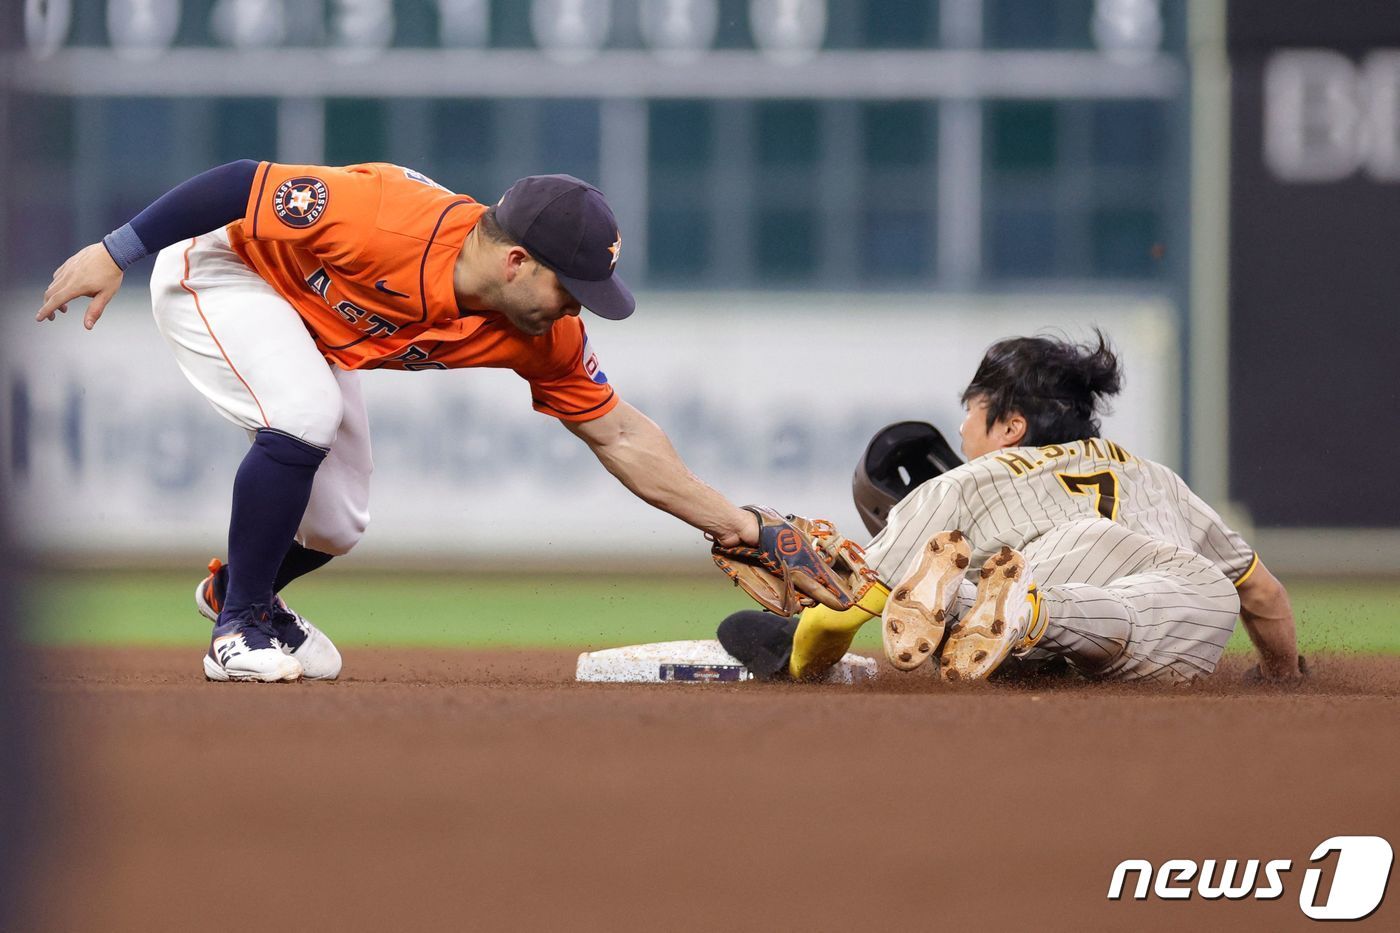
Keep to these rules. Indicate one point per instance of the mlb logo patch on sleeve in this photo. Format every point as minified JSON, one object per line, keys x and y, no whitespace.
{"x":590,"y":363}
{"x":415,"y":175}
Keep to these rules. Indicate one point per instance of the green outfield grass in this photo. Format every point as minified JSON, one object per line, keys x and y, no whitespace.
{"x":144,"y":608}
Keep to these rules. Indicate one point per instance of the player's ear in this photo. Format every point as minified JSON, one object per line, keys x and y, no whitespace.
{"x":516,"y":259}
{"x":1013,"y":430}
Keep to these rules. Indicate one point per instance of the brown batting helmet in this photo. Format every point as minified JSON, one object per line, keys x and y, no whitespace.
{"x":899,"y":458}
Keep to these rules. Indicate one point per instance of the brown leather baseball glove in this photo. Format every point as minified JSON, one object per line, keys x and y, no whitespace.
{"x":798,"y":562}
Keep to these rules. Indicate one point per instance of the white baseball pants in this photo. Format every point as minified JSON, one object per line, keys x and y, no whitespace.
{"x":247,"y":351}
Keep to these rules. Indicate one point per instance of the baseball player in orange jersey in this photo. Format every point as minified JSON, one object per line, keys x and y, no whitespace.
{"x":275,"y":284}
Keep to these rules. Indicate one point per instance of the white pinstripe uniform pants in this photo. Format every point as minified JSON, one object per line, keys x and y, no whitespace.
{"x":1123,"y":606}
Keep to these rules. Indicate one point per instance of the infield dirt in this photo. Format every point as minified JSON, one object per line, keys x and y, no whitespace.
{"x":451,"y":790}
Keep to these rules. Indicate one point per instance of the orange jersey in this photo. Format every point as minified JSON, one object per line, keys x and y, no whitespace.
{"x":365,"y":255}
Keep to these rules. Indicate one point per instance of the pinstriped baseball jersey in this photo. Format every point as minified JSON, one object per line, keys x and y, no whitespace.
{"x":1014,"y":496}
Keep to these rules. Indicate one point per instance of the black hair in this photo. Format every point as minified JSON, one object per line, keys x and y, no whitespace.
{"x":491,"y":228}
{"x":1057,"y":385}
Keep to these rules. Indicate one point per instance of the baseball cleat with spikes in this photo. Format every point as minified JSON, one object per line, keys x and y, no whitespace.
{"x":918,"y":608}
{"x":246,"y":648}
{"x":319,"y":658}
{"x":1006,"y":617}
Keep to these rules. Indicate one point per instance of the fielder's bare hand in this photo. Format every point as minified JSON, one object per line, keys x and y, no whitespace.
{"x":89,"y":273}
{"x":744,"y":531}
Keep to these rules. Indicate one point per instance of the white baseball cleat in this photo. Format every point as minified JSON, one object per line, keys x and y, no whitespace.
{"x":918,"y":608}
{"x":320,"y":660}
{"x":1005,"y":617}
{"x":246,"y":648}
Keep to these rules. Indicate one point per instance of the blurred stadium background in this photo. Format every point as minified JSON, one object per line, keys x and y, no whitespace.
{"x":828,"y":207}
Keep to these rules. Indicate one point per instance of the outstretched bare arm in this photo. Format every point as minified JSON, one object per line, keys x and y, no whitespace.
{"x":635,"y":450}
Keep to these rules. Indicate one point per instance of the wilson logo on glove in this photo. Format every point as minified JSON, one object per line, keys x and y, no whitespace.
{"x":789,"y":569}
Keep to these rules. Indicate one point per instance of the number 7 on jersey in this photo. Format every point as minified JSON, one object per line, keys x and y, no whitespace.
{"x":1103,"y":486}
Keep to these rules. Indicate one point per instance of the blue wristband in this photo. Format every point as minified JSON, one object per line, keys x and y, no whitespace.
{"x":124,"y":246}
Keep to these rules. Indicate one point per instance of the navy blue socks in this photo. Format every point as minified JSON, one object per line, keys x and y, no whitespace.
{"x":270,"y":494}
{"x":299,"y":562}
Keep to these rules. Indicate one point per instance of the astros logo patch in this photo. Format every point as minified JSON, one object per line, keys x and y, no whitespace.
{"x":300,"y":202}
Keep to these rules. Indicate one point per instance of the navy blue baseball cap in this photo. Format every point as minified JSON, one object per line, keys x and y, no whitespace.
{"x":569,"y":228}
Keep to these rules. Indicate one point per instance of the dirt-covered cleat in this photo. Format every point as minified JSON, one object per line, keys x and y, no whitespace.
{"x":918,"y":607}
{"x":1006,"y":610}
{"x":246,"y":648}
{"x":320,"y":659}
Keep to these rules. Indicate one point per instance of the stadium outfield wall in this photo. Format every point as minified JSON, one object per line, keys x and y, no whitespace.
{"x":113,"y":459}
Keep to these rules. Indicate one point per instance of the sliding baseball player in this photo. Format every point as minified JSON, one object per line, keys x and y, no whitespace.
{"x":1052,"y":547}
